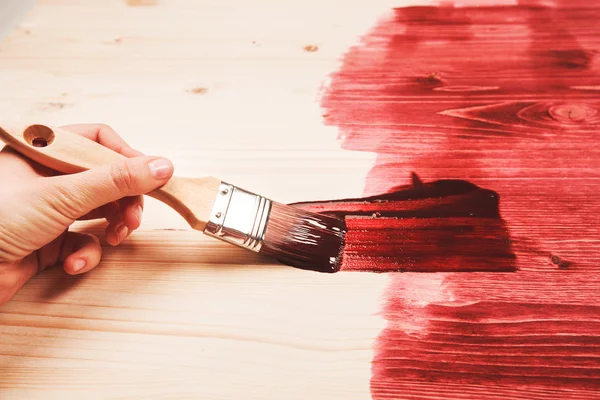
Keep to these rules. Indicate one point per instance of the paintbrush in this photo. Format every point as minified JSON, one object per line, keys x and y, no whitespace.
{"x":295,"y":237}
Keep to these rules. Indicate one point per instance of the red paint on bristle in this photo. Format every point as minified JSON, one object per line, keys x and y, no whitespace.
{"x":303,"y":239}
{"x":505,"y":97}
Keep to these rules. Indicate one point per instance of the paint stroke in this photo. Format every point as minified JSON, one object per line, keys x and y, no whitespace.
{"x":442,"y":226}
{"x":501,"y":97}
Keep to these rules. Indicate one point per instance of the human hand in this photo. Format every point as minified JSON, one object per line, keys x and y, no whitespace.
{"x":37,"y":206}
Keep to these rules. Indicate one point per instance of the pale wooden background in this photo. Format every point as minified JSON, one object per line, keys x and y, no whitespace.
{"x":171,"y":313}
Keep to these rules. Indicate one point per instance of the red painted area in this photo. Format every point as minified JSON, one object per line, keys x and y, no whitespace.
{"x":505,"y":98}
{"x":447,"y":225}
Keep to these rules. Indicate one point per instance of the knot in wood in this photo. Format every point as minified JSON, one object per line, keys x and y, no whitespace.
{"x":572,"y":113}
{"x":560,"y":114}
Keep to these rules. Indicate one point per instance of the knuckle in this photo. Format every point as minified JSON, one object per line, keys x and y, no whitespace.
{"x":124,"y":178}
{"x":104,"y":127}
{"x":66,"y":202}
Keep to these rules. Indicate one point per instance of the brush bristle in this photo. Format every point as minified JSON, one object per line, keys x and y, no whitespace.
{"x":304,"y":239}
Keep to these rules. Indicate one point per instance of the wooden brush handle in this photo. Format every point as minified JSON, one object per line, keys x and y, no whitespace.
{"x":67,"y":152}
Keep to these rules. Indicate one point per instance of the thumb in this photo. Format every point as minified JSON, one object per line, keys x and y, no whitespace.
{"x":88,"y":190}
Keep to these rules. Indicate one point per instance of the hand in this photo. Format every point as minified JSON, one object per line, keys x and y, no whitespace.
{"x":37,"y":206}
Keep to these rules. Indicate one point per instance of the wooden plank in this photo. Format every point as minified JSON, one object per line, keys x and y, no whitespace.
{"x":503,"y":97}
{"x":173,"y":314}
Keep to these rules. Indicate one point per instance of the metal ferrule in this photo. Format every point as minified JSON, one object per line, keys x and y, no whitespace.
{"x":239,"y":217}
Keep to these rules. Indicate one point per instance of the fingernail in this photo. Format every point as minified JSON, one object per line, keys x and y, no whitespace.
{"x":138,"y":214}
{"x":161,"y":168}
{"x":78,"y":264}
{"x":121,"y":232}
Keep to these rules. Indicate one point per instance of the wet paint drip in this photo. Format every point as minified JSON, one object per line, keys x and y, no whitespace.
{"x":503,"y":98}
{"x":442,"y":226}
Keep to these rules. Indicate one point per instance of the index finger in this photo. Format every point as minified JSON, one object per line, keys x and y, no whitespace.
{"x":106,"y":136}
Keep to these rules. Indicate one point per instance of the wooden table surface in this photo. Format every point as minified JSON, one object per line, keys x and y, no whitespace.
{"x":235,"y":90}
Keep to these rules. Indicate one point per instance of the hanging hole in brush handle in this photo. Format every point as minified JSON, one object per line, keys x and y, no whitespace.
{"x":38,"y":135}
{"x":57,"y":148}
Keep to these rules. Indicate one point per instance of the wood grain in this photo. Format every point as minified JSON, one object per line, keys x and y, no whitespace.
{"x":502,"y":96}
{"x":172,"y":313}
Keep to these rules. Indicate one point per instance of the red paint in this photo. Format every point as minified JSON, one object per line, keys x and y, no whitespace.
{"x":447,"y":225}
{"x":507,"y":98}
